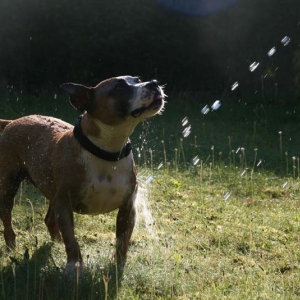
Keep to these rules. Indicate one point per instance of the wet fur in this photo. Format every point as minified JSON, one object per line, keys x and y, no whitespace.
{"x":44,"y":151}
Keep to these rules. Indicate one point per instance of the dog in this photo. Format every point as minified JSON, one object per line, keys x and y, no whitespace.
{"x":87,"y":168}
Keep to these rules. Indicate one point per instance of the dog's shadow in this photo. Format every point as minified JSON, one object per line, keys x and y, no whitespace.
{"x":37,"y":277}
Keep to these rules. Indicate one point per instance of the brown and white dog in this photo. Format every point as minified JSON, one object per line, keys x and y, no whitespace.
{"x":89,"y":168}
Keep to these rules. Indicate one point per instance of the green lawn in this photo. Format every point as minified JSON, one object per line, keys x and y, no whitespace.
{"x":219,"y":212}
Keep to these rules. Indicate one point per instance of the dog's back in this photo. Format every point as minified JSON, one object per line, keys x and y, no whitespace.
{"x":26,"y":150}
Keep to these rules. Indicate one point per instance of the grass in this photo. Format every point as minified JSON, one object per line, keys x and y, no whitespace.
{"x":223,"y":219}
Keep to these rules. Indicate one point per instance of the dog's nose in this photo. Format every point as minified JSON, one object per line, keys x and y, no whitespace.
{"x":153,"y":84}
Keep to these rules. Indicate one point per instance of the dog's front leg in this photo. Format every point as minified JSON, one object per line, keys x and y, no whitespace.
{"x":65,"y":221}
{"x":125,"y":224}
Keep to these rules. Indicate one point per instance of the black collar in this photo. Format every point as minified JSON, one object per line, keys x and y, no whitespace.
{"x":95,"y":150}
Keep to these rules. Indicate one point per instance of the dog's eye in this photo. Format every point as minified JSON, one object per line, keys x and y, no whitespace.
{"x":120,"y":86}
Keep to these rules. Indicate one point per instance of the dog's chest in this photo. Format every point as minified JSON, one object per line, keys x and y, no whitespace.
{"x":107,"y":185}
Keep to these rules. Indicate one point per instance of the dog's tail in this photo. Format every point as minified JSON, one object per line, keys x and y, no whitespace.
{"x":4,"y":123}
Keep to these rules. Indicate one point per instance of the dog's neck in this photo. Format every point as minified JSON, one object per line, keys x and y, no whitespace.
{"x":111,"y":138}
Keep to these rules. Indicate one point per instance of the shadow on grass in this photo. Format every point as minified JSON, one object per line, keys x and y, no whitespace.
{"x":37,"y":277}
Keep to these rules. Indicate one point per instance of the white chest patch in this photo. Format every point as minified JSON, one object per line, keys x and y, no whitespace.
{"x":107,"y":184}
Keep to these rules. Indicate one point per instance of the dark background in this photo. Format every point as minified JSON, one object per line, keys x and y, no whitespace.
{"x":47,"y":42}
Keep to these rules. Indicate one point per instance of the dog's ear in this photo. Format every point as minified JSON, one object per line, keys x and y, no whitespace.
{"x":80,"y":95}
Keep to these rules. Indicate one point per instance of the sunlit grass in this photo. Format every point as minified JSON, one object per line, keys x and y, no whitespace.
{"x":201,"y":245}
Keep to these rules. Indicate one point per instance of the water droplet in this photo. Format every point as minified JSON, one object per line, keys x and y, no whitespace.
{"x":285,"y":184}
{"x":259,"y":163}
{"x":243,"y":173}
{"x":187,"y":131}
{"x":235,"y":86}
{"x":285,"y":41}
{"x":149,"y":179}
{"x":226,"y":196}
{"x":196,"y":160}
{"x":216,"y":105}
{"x":185,"y":121}
{"x":253,"y":66}
{"x":160,"y":166}
{"x":55,"y":96}
{"x":205,"y":110}
{"x":271,"y":51}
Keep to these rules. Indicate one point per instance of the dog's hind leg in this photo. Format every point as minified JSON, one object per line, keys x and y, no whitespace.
{"x":9,"y":185}
{"x":51,"y":223}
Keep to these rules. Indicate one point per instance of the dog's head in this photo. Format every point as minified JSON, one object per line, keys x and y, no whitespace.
{"x":117,"y":99}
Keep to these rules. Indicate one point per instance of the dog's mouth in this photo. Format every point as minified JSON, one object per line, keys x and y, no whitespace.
{"x":155,"y":105}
